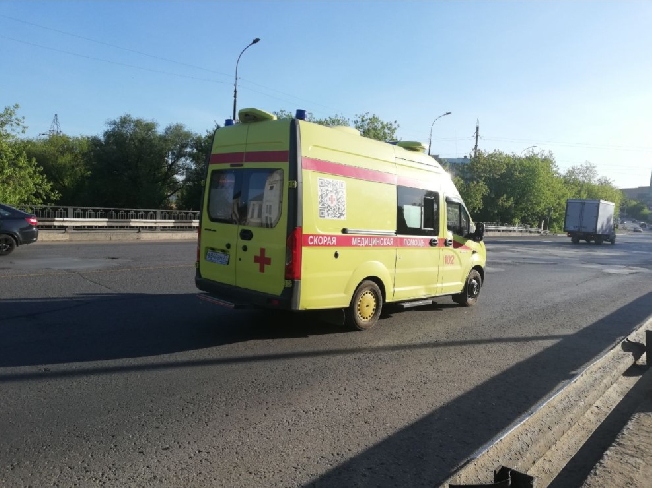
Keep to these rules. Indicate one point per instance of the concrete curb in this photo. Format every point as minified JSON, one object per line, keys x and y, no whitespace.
{"x":628,"y":461}
{"x":530,"y":439}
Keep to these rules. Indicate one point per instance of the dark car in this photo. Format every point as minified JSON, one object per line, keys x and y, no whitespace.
{"x":16,"y":228}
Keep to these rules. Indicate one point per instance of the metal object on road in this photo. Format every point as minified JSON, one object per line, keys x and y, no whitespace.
{"x":506,"y":477}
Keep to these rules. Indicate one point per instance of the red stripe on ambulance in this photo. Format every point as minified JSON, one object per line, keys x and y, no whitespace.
{"x":347,"y":171}
{"x":251,"y":157}
{"x":334,"y":240}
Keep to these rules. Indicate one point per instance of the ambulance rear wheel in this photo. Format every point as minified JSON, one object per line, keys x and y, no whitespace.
{"x":366,"y":304}
{"x":575,"y":240}
{"x":471,"y":291}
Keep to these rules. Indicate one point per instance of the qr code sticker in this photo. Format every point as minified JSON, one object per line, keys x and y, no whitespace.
{"x":332,"y":199}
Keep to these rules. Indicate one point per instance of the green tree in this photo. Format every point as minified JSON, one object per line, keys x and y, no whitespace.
{"x":501,"y":187}
{"x":330,"y":121}
{"x":583,"y":181}
{"x":22,"y":181}
{"x":473,"y":193}
{"x":369,"y":125}
{"x":193,"y":183}
{"x":636,"y":209}
{"x":133,"y":165}
{"x":373,"y":127}
{"x":65,"y":162}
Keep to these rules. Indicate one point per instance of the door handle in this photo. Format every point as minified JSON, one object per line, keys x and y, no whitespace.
{"x":434,"y":241}
{"x":449,"y":242}
{"x":246,"y":234}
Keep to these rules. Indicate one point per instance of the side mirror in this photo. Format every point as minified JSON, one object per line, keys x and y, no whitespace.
{"x":479,"y":232}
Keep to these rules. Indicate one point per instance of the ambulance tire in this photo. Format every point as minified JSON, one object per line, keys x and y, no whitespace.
{"x":365,"y":307}
{"x":469,"y":295}
{"x":598,"y":240}
{"x":575,"y":240}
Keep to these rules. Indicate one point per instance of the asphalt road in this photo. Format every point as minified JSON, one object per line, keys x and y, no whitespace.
{"x":113,"y":373}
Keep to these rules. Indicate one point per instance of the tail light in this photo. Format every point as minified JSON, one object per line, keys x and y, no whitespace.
{"x":32,"y":221}
{"x":293,"y":255}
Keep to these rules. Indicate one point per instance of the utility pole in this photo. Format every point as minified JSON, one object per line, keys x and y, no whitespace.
{"x":477,"y":135}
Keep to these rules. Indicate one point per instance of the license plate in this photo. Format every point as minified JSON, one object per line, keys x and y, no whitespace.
{"x":217,"y":257}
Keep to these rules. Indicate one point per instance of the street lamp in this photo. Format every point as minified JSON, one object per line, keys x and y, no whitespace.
{"x":433,"y":123}
{"x":531,"y":147}
{"x":235,"y":85}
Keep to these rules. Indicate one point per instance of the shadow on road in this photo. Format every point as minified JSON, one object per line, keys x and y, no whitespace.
{"x":105,"y":327}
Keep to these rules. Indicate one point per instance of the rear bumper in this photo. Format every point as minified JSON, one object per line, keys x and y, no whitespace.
{"x":234,"y":297}
{"x":28,"y":236}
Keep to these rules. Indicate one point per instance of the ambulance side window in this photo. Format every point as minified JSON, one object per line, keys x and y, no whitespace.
{"x":457,"y":218}
{"x":418,"y":212}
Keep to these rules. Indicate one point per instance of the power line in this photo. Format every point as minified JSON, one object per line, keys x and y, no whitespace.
{"x":161,"y":58}
{"x":109,"y":61}
{"x":570,"y":144}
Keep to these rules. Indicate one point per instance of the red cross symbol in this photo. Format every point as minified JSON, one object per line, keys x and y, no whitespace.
{"x":262,"y":260}
{"x":331,"y":199}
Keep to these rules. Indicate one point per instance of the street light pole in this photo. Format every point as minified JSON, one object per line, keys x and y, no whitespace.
{"x":431,"y":126}
{"x":531,"y":147}
{"x":235,"y":85}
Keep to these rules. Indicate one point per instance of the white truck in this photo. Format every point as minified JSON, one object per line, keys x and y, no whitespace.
{"x":590,"y":220}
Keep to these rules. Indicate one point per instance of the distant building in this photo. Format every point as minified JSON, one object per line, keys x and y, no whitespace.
{"x":458,"y":161}
{"x":641,"y":193}
{"x":453,"y":165}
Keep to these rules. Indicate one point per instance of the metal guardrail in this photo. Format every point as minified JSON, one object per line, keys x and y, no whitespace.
{"x":494,"y":227}
{"x":60,"y":217}
{"x":64,"y":217}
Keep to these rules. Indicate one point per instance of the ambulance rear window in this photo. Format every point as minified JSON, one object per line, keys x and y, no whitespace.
{"x":248,"y":197}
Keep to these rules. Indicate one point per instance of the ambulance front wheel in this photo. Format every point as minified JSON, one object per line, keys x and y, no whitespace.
{"x":366,"y":304}
{"x":471,"y":291}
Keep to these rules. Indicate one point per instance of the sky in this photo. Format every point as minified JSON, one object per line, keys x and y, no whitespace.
{"x":571,"y":77}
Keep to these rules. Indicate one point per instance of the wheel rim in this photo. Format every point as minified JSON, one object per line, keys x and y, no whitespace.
{"x":4,"y":244}
{"x":474,"y":288}
{"x":367,"y":304}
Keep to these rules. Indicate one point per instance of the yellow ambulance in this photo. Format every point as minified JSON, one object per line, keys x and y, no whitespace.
{"x":299,"y":216}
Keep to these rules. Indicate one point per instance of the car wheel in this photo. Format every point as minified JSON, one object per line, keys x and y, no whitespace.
{"x":469,"y":295}
{"x":7,"y":245}
{"x":365,"y":307}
